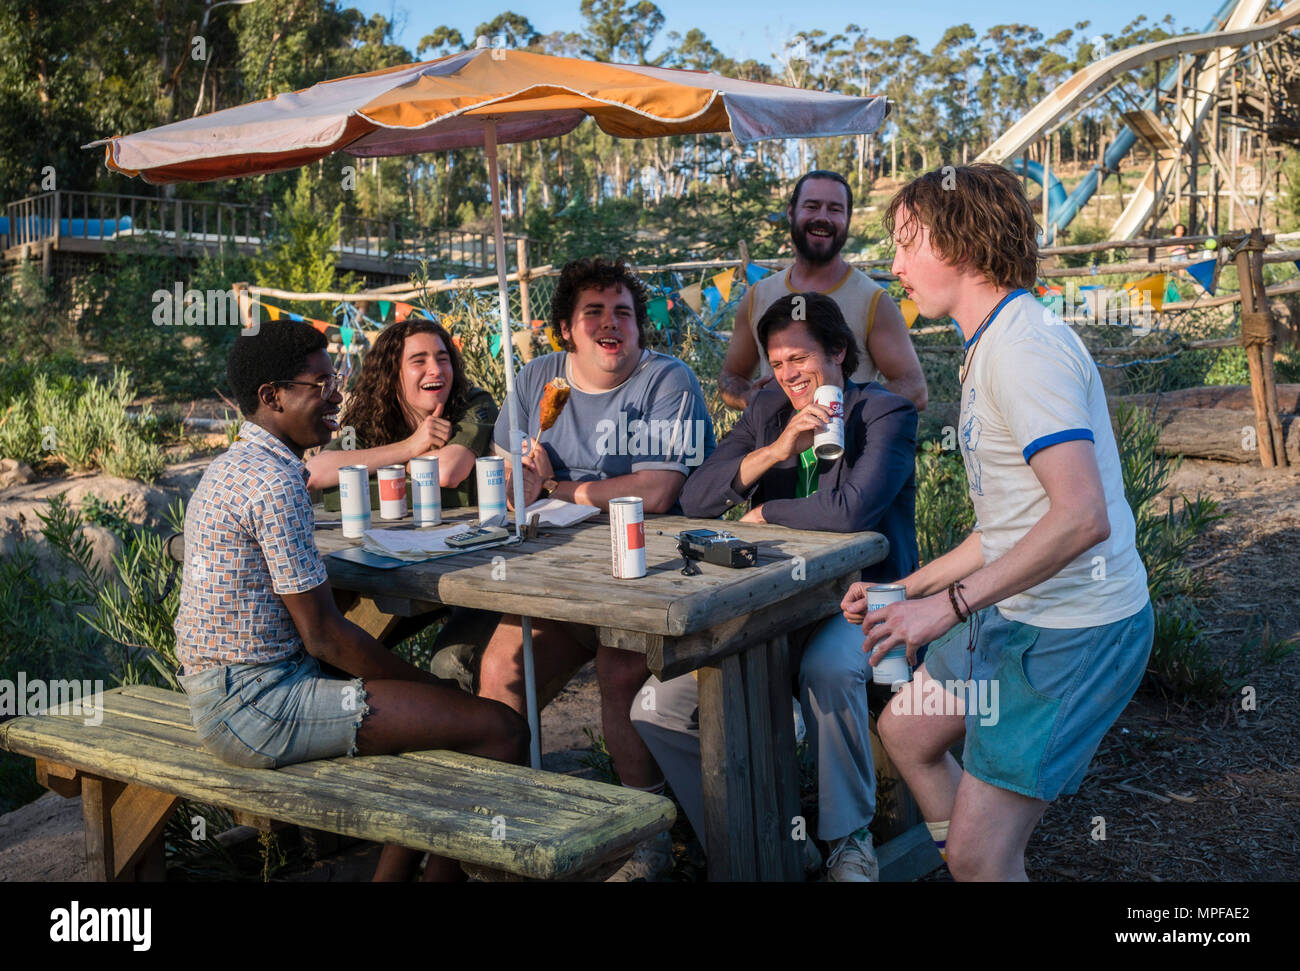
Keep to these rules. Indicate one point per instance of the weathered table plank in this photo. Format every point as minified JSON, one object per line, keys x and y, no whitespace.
{"x":566,"y":576}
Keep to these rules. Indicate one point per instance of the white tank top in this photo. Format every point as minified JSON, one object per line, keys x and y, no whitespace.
{"x":857,"y":295}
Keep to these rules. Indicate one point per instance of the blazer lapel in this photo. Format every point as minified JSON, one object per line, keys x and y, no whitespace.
{"x":782,"y":480}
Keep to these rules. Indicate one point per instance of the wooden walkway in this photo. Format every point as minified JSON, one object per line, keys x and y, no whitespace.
{"x":98,"y":223}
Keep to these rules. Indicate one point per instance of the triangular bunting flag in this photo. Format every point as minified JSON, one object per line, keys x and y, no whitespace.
{"x":272,"y":312}
{"x":714,"y":297}
{"x":345,"y":336}
{"x":1203,"y":273}
{"x":1171,"y":293}
{"x":658,"y":311}
{"x":910,"y":311}
{"x":403,"y":311}
{"x":723,"y":282}
{"x":1149,"y":291}
{"x":297,"y":317}
{"x":691,"y":295}
{"x":495,"y":344}
{"x":550,"y":336}
{"x":754,"y":273}
{"x":320,"y":325}
{"x":384,"y":306}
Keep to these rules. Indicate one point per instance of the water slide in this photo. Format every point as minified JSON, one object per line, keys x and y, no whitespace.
{"x":1240,"y":28}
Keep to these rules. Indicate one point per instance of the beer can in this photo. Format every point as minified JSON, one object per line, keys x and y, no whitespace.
{"x":893,"y":667}
{"x":354,"y":498}
{"x":829,"y":444}
{"x":392,"y":492}
{"x":627,"y":537}
{"x":490,"y":476}
{"x":426,"y":493}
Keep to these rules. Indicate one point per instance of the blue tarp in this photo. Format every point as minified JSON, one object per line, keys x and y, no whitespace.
{"x":38,"y":228}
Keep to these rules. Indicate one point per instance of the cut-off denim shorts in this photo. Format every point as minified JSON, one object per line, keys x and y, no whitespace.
{"x":262,"y":716}
{"x":1058,"y":692}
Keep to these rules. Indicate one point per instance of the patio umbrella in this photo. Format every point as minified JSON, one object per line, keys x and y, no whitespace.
{"x":481,"y":97}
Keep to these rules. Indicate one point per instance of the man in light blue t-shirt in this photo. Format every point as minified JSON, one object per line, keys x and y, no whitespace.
{"x":1039,"y":623}
{"x":641,"y":437}
{"x":635,"y":424}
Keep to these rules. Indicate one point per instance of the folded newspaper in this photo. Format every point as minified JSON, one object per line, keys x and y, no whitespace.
{"x":420,"y":544}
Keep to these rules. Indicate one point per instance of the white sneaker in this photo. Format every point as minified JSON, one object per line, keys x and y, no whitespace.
{"x":852,"y":861}
{"x":652,"y":860}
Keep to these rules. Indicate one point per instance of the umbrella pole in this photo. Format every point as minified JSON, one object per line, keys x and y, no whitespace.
{"x":512,"y":406}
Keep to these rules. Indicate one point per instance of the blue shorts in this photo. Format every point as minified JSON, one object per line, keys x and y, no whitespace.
{"x":1053,"y":694}
{"x":262,"y":716}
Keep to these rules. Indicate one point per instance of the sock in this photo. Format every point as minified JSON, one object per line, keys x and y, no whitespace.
{"x":939,"y":833}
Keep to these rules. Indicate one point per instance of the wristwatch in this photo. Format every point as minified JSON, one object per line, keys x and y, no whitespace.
{"x":548,"y":487}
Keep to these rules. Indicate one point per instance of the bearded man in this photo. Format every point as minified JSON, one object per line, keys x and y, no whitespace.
{"x":820,"y":210}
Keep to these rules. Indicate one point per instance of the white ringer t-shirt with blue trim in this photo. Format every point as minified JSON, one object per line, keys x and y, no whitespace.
{"x":1032,"y":384}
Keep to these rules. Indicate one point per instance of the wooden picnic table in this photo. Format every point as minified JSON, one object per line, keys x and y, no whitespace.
{"x":730,"y":625}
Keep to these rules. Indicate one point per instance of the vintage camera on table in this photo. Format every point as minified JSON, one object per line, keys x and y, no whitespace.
{"x":720,"y":548}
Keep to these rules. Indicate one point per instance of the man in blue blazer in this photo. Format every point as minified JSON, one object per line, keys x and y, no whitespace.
{"x":768,"y":460}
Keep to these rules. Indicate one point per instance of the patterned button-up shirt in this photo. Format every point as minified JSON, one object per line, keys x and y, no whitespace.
{"x":248,"y":539}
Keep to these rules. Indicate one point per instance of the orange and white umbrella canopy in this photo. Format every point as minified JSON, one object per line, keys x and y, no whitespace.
{"x":443,"y":104}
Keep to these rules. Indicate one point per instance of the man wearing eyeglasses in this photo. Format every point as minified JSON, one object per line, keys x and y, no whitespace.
{"x":257,"y":620}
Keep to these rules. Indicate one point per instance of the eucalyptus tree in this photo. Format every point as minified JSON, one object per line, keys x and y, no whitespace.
{"x":951,"y":66}
{"x":619,"y":30}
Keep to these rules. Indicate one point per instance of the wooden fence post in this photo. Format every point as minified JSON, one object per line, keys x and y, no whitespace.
{"x":521,"y":261}
{"x":244,"y":299}
{"x":1258,"y":340}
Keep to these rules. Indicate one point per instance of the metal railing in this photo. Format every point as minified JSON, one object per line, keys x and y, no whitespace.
{"x":106,"y":216}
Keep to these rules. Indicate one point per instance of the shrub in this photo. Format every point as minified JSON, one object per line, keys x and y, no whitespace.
{"x":1180,"y":658}
{"x":703,"y":350}
{"x":136,"y":610}
{"x":82,"y":422}
{"x":1082,"y":233}
{"x":38,"y":322}
{"x":300,"y":254}
{"x":20,"y":433}
{"x":177,"y":361}
{"x":39,"y":629}
{"x":944,"y":514}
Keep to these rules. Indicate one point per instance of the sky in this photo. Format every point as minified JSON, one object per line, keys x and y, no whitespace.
{"x":744,"y":29}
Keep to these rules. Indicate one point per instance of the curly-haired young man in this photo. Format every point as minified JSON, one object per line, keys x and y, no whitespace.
{"x":1039,"y":623}
{"x":819,"y":212}
{"x":635,"y":425}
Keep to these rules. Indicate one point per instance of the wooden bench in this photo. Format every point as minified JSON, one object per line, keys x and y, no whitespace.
{"x":133,"y":769}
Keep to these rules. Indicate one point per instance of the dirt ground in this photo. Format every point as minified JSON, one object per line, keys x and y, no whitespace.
{"x":1191,"y":792}
{"x":1181,"y":791}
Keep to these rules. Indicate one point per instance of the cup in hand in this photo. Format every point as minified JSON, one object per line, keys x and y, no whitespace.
{"x":829,"y":444}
